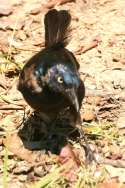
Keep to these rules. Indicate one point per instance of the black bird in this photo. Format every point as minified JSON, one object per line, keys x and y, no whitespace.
{"x":50,"y":80}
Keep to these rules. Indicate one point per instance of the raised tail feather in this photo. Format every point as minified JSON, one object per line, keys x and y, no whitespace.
{"x":56,"y":28}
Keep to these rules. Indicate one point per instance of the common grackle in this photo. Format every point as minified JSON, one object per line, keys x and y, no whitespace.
{"x":50,"y":80}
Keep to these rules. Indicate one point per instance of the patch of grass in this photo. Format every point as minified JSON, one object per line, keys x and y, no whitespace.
{"x":7,"y":58}
{"x":87,"y":177}
{"x":8,"y":63}
{"x":106,"y":130}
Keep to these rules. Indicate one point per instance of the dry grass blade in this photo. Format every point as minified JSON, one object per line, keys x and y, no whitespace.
{"x":7,"y":100}
{"x":9,"y":61}
{"x":52,"y":176}
{"x":11,"y":107}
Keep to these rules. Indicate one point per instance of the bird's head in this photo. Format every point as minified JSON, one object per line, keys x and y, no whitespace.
{"x":63,"y":80}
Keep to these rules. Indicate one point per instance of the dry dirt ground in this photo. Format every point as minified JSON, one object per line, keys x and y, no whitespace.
{"x":29,"y":155}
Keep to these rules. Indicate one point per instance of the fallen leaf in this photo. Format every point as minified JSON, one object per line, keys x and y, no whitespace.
{"x":68,"y":153}
{"x":22,"y":167}
{"x":5,"y":11}
{"x":15,"y":145}
{"x":88,"y":115}
{"x":111,"y":184}
{"x":5,"y":8}
{"x":116,"y":173}
{"x":93,"y":100}
{"x":121,"y":121}
{"x":10,"y":23}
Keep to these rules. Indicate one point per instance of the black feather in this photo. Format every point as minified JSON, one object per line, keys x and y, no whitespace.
{"x":56,"y":28}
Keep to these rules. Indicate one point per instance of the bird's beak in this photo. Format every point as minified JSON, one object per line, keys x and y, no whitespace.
{"x":73,"y":98}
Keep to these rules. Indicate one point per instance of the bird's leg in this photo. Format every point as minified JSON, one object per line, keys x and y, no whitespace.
{"x":89,"y":153}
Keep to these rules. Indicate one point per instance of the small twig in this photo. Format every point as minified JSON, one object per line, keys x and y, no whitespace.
{"x":52,"y":3}
{"x":8,"y":101}
{"x":11,"y":107}
{"x":90,"y":46}
{"x":22,"y":49}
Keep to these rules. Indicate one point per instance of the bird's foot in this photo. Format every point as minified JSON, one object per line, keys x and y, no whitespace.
{"x":88,"y":151}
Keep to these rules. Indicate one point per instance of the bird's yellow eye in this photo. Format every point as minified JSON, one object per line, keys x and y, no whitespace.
{"x":60,"y":80}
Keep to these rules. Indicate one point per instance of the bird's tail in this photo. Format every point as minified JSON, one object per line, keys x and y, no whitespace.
{"x":56,"y":28}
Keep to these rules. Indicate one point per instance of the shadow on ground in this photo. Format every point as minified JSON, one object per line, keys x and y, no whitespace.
{"x":37,"y":135}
